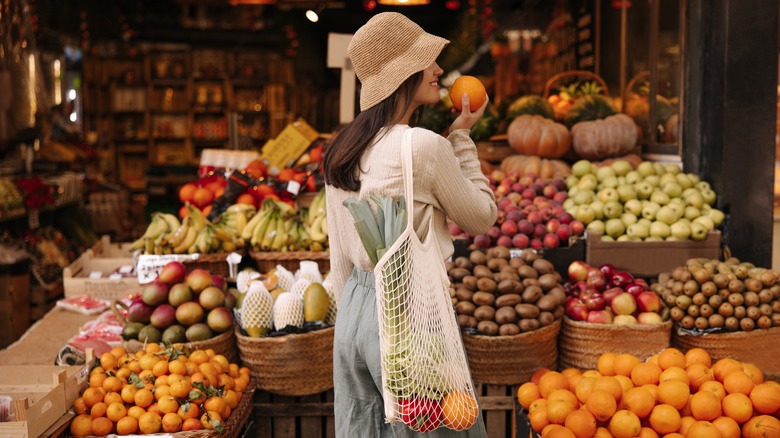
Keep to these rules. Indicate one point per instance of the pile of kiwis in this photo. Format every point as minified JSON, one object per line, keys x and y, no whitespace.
{"x":710,"y":295}
{"x":497,"y":294}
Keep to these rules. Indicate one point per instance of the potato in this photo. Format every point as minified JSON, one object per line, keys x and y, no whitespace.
{"x":490,"y":328}
{"x":509,"y":287}
{"x":457,"y":274}
{"x":528,"y":325}
{"x":478,"y":257}
{"x":483,"y":299}
{"x":465,"y":308}
{"x":496,"y":264}
{"x":508,"y":300}
{"x":481,"y":271}
{"x":486,"y":284}
{"x":531,"y":294}
{"x":506,"y":315}
{"x":470,"y":282}
{"x":546,"y":318}
{"x":547,"y":303}
{"x":508,"y":330}
{"x":527,"y":311}
{"x":485,"y":313}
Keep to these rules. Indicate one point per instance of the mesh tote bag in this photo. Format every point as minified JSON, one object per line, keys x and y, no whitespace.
{"x":425,"y":375}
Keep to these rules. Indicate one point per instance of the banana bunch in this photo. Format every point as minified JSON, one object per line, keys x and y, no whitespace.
{"x":315,"y":224}
{"x":157,"y":237}
{"x":231,"y":224}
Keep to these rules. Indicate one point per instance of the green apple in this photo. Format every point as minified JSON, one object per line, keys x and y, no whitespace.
{"x":569,"y":205}
{"x":638,"y":230}
{"x":571,"y":181}
{"x":615,"y":228}
{"x":610,"y":181}
{"x":666,"y":215}
{"x":666,"y":178}
{"x":646,"y":168}
{"x":681,"y":230}
{"x":698,"y":231}
{"x":584,"y":214}
{"x":672,"y":189}
{"x":708,"y":223}
{"x":582,"y":167}
{"x":633,"y":206}
{"x":659,"y":169}
{"x":608,"y":194}
{"x":607,"y":238}
{"x":684,"y":181}
{"x":659,"y":197}
{"x":613,"y":209}
{"x":702,"y":185}
{"x":633,"y":177}
{"x":621,"y":180}
{"x":626,"y":193}
{"x":694,"y":178}
{"x":587,"y":182}
{"x":645,"y":222}
{"x":649,"y":210}
{"x":672,"y":168}
{"x":606,"y":171}
{"x":621,"y":167}
{"x":660,"y":229}
{"x":691,"y":212}
{"x":583,"y":197}
{"x":654,"y":239}
{"x":598,"y":208}
{"x":677,"y":206}
{"x":687,"y":192}
{"x":597,"y":226}
{"x":624,"y":238}
{"x":654,"y":180}
{"x":716,"y":215}
{"x":643,"y":190}
{"x":695,"y":199}
{"x":709,"y":196}
{"x":628,"y":218}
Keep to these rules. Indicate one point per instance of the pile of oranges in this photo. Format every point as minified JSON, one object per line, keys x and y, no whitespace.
{"x":672,"y":395}
{"x":158,"y":389}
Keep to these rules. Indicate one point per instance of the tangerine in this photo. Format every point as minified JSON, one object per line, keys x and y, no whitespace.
{"x":98,"y":410}
{"x":143,"y":398}
{"x":738,"y":407}
{"x":727,"y":427}
{"x":581,"y":423}
{"x":150,"y":422}
{"x":210,"y":420}
{"x":113,"y":383}
{"x":191,"y":424}
{"x":116,"y":411}
{"x":80,"y":406}
{"x":127,"y":425}
{"x":665,"y":419}
{"x":81,"y":425}
{"x":601,"y":404}
{"x":624,"y":424}
{"x":101,"y":426}
{"x":698,"y":355}
{"x":765,"y":398}
{"x":135,"y":412}
{"x":189,"y":410}
{"x":704,"y":429}
{"x":108,"y":361}
{"x":171,"y":422}
{"x":705,"y":406}
{"x":470,"y":86}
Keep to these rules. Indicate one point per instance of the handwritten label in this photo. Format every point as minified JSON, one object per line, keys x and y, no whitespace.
{"x":34,"y":219}
{"x":95,"y":275}
{"x":149,"y":266}
{"x":125,"y":269}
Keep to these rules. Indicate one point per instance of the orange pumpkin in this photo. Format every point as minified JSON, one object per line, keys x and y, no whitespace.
{"x":604,"y":138}
{"x":536,"y":135}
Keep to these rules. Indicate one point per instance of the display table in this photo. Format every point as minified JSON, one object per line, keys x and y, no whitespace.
{"x":42,"y":341}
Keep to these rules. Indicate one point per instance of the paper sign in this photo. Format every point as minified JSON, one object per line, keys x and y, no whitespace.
{"x":95,"y":275}
{"x":115,"y":276}
{"x":149,"y":266}
{"x":125,"y":269}
{"x":289,"y":145}
{"x":517,"y":253}
{"x":293,"y":187}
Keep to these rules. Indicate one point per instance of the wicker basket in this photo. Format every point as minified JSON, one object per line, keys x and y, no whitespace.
{"x":761,"y":347}
{"x":214,"y":263}
{"x":553,"y":81}
{"x":224,"y":344}
{"x":581,"y":343}
{"x":293,"y":365}
{"x":511,"y":360}
{"x":290,"y":260}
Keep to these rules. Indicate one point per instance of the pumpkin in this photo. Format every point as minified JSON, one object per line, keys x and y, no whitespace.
{"x":535,"y":135}
{"x":598,"y":139}
{"x":590,"y":107}
{"x":530,"y":104}
{"x":522,"y":165}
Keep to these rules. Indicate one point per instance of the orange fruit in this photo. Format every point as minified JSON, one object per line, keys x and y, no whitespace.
{"x":674,"y":435}
{"x":673,"y":392}
{"x":761,"y":426}
{"x":653,"y":390}
{"x":186,"y":192}
{"x":581,"y":423}
{"x":625,"y":382}
{"x":92,"y":396}
{"x":685,"y":424}
{"x":705,"y":405}
{"x":704,"y":429}
{"x":96,"y":380}
{"x":738,"y":407}
{"x":645,"y":373}
{"x":753,"y":372}
{"x":602,"y":432}
{"x":527,"y":393}
{"x":225,"y":381}
{"x":727,"y":427}
{"x":551,"y":381}
{"x":177,"y":366}
{"x":558,"y":410}
{"x":161,"y":391}
{"x":143,"y":398}
{"x":564,"y":395}
{"x":624,"y":424}
{"x":98,"y":410}
{"x":128,"y":393}
{"x":538,"y":404}
{"x":646,"y":432}
{"x":168,"y":404}
{"x":601,"y":404}
{"x":555,"y":430}
{"x":118,"y":351}
{"x":191,"y":424}
{"x":686,"y":411}
{"x":697,"y":374}
{"x":671,"y":357}
{"x":108,"y":361}
{"x":189,"y":410}
{"x":112,"y":397}
{"x":127,"y":425}
{"x":171,"y":422}
{"x":592,"y":373}
{"x":222,"y":361}
{"x":583,"y":388}
{"x":698,"y":355}
{"x":459,"y":410}
{"x":101,"y":426}
{"x":81,"y":425}
{"x":116,"y":411}
{"x":715,"y":387}
{"x":665,"y":419}
{"x":765,"y":398}
{"x":724,"y":366}
{"x":210,"y":420}
{"x":123,"y":373}
{"x":471,"y":86}
{"x":639,"y":401}
{"x":198,"y":357}
{"x":80,"y":406}
{"x":624,"y":363}
{"x":180,"y":389}
{"x":231,"y":398}
{"x":113,"y":384}
{"x":135,"y":412}
{"x":150,"y":422}
{"x":675,"y":373}
{"x":537,"y":418}
{"x":609,"y":384}
{"x":738,"y":381}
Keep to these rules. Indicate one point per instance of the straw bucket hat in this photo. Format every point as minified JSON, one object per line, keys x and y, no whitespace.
{"x":386,"y":51}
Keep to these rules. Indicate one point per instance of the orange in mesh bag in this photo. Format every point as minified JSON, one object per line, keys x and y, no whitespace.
{"x":425,"y":375}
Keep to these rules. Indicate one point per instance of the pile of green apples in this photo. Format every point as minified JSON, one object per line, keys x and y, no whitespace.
{"x":653,"y":202}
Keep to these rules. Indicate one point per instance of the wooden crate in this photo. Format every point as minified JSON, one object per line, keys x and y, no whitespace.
{"x":77,"y":280}
{"x":105,"y":248}
{"x":277,"y":416}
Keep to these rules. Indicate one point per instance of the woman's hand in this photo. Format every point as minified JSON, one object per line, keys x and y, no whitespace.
{"x":467,"y":119}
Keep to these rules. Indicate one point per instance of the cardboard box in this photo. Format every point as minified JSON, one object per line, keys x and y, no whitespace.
{"x":648,"y":259}
{"x":41,"y":395}
{"x":93,"y":276}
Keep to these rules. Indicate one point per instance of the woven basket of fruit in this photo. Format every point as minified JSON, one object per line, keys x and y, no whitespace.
{"x":581,"y":343}
{"x":510,"y":360}
{"x":216,"y":263}
{"x":290,"y":259}
{"x":294,"y":364}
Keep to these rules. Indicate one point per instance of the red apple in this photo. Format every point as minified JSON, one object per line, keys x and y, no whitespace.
{"x":528,"y":193}
{"x":199,"y":279}
{"x":553,"y":225}
{"x":509,"y":228}
{"x":577,"y":311}
{"x":560,"y":197}
{"x":565,"y":218}
{"x":219,"y":282}
{"x":649,"y":318}
{"x":482,"y":241}
{"x":539,"y":231}
{"x":621,"y":279}
{"x":577,"y":228}
{"x":624,"y":320}
{"x":506,"y":241}
{"x":578,"y":271}
{"x":563,"y":233}
{"x":648,"y":302}
{"x":623,"y":304}
{"x":172,"y":273}
{"x":608,"y":271}
{"x":534,"y":217}
{"x":595,"y":302}
{"x":600,"y":317}
{"x":494,"y":232}
{"x":635,"y":289}
{"x":551,"y":241}
{"x":611,"y":293}
{"x":503,"y":203}
{"x":536,"y":243}
{"x":525,"y":227}
{"x":520,"y":241}
{"x":549,"y":191}
{"x":596,"y":279}
{"x":642,"y":282}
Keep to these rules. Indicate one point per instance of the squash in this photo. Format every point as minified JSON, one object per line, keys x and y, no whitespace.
{"x":530,"y":104}
{"x":535,"y":135}
{"x":591,"y":107}
{"x":598,"y":139}
{"x":522,"y":165}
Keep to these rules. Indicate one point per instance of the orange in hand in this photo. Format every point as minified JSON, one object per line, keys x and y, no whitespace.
{"x":471,"y":86}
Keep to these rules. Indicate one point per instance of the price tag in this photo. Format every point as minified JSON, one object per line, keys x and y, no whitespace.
{"x":125,"y":269}
{"x":293,"y":187}
{"x":517,"y":252}
{"x":115,"y":276}
{"x":149,"y":266}
{"x":95,"y":275}
{"x":34,"y":219}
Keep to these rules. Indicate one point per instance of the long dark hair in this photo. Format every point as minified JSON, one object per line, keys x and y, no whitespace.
{"x":341,"y":159}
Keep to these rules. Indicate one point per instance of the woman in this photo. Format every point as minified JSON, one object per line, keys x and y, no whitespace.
{"x":395,"y":61}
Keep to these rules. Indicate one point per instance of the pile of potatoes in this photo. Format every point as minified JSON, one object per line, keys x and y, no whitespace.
{"x":732,"y":295}
{"x":497,"y":294}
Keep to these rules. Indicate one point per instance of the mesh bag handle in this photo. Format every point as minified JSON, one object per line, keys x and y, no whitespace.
{"x":426,"y":382}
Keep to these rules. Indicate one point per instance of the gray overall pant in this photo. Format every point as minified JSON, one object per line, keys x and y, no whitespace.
{"x":357,"y":376}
